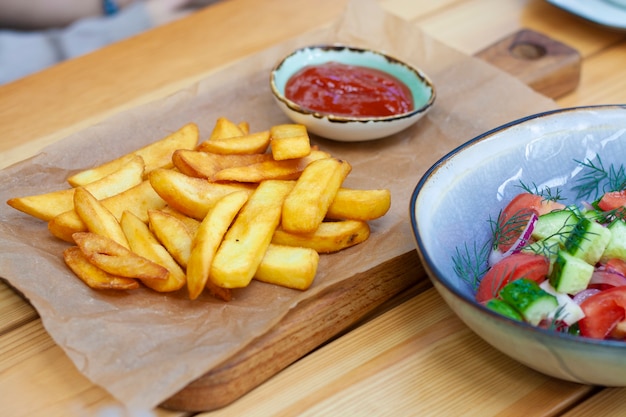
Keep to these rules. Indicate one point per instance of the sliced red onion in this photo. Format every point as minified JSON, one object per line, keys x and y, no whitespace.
{"x":584,"y":294}
{"x":606,"y":277}
{"x":496,"y":255}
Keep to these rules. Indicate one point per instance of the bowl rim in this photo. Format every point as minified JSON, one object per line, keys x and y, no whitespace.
{"x":423,"y":78}
{"x":434,"y":274}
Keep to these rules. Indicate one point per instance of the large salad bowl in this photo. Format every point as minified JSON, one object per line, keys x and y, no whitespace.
{"x":453,"y":202}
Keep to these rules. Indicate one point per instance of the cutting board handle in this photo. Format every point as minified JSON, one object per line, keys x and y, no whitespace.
{"x":550,"y":67}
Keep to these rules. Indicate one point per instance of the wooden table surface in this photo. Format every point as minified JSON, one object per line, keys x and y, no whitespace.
{"x":411,"y":358}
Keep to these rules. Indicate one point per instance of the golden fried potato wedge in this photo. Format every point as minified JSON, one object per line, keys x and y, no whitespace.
{"x":306,"y":205}
{"x":48,"y":205}
{"x":138,"y":199}
{"x":289,"y":141}
{"x":252,"y":143}
{"x":173,"y":234}
{"x":98,"y":218}
{"x":191,"y":223}
{"x":288,"y":266}
{"x":115,"y":259}
{"x":206,"y":164}
{"x":191,"y":196}
{"x":143,"y":243}
{"x":155,"y":155}
{"x":328,"y":238}
{"x":289,"y":169}
{"x":245,"y":243}
{"x":93,"y":276}
{"x":353,"y":204}
{"x":224,"y":128}
{"x":209,"y":237}
{"x":244,"y":126}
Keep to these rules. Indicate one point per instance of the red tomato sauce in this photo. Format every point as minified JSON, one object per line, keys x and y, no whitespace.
{"x":349,"y":90}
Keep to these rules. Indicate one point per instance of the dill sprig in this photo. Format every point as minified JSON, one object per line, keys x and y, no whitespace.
{"x":470,"y":262}
{"x":547,"y":193}
{"x":598,"y":180}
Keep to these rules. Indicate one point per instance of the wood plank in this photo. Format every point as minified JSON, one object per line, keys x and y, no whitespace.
{"x":419,"y":355}
{"x":607,"y":403}
{"x":140,"y":69}
{"x":14,"y":310}
{"x":38,"y":379}
{"x":471,"y":26}
{"x":600,"y":83}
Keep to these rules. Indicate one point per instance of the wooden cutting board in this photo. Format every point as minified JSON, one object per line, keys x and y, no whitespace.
{"x":544,"y":64}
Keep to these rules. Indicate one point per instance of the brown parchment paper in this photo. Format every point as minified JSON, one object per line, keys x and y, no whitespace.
{"x":142,"y":346}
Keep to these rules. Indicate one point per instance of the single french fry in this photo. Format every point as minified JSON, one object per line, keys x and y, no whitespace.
{"x":224,"y":128}
{"x":191,"y":196}
{"x":93,"y":276}
{"x":306,"y":205}
{"x":288,"y":266}
{"x":143,"y":243}
{"x":206,"y":164}
{"x":173,"y":234}
{"x":328,"y":238}
{"x":98,"y":218}
{"x":251,"y":143}
{"x":155,"y":155}
{"x":189,"y":222}
{"x":48,"y":205}
{"x":208,"y":239}
{"x":365,"y":205}
{"x":138,"y":199}
{"x":117,"y":260}
{"x":244,"y":126}
{"x":289,"y":141}
{"x":245,"y":243}
{"x":289,"y":169}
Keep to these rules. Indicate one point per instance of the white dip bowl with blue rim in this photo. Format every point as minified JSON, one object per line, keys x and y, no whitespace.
{"x":344,"y":128}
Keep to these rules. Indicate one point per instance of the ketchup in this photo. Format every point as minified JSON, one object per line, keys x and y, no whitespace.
{"x":349,"y":90}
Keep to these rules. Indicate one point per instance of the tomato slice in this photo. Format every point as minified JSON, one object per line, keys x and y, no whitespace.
{"x":515,"y":266}
{"x":517,"y":214}
{"x":603,"y":312}
{"x":616,"y":265}
{"x":612,"y":200}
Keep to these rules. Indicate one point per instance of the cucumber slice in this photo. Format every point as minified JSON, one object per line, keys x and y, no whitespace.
{"x":588,"y":240}
{"x":570,"y":274}
{"x":616,"y":248}
{"x":529,"y":299}
{"x":556,"y":224}
{"x":504,"y":308}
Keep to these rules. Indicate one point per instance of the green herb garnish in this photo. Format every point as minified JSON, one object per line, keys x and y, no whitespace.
{"x":598,"y":180}
{"x":470,"y":263}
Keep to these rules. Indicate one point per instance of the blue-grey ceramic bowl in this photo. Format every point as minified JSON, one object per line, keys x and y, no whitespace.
{"x":351,"y":129}
{"x":453,"y":202}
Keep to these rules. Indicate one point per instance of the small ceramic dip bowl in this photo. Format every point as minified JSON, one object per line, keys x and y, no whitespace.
{"x":352,"y":128}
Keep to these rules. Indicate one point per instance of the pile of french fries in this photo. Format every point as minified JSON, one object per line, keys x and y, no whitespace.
{"x":209,"y":215}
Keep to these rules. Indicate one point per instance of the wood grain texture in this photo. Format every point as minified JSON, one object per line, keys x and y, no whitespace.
{"x":549,"y":67}
{"x":417,"y":355}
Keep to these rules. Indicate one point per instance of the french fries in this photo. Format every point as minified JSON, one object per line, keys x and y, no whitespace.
{"x":48,"y":205}
{"x":245,"y":243}
{"x":117,"y":260}
{"x":306,"y":206}
{"x":289,"y":142}
{"x":156,"y":155}
{"x":209,"y":217}
{"x":208,"y":240}
{"x":143,"y":243}
{"x":329,"y":237}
